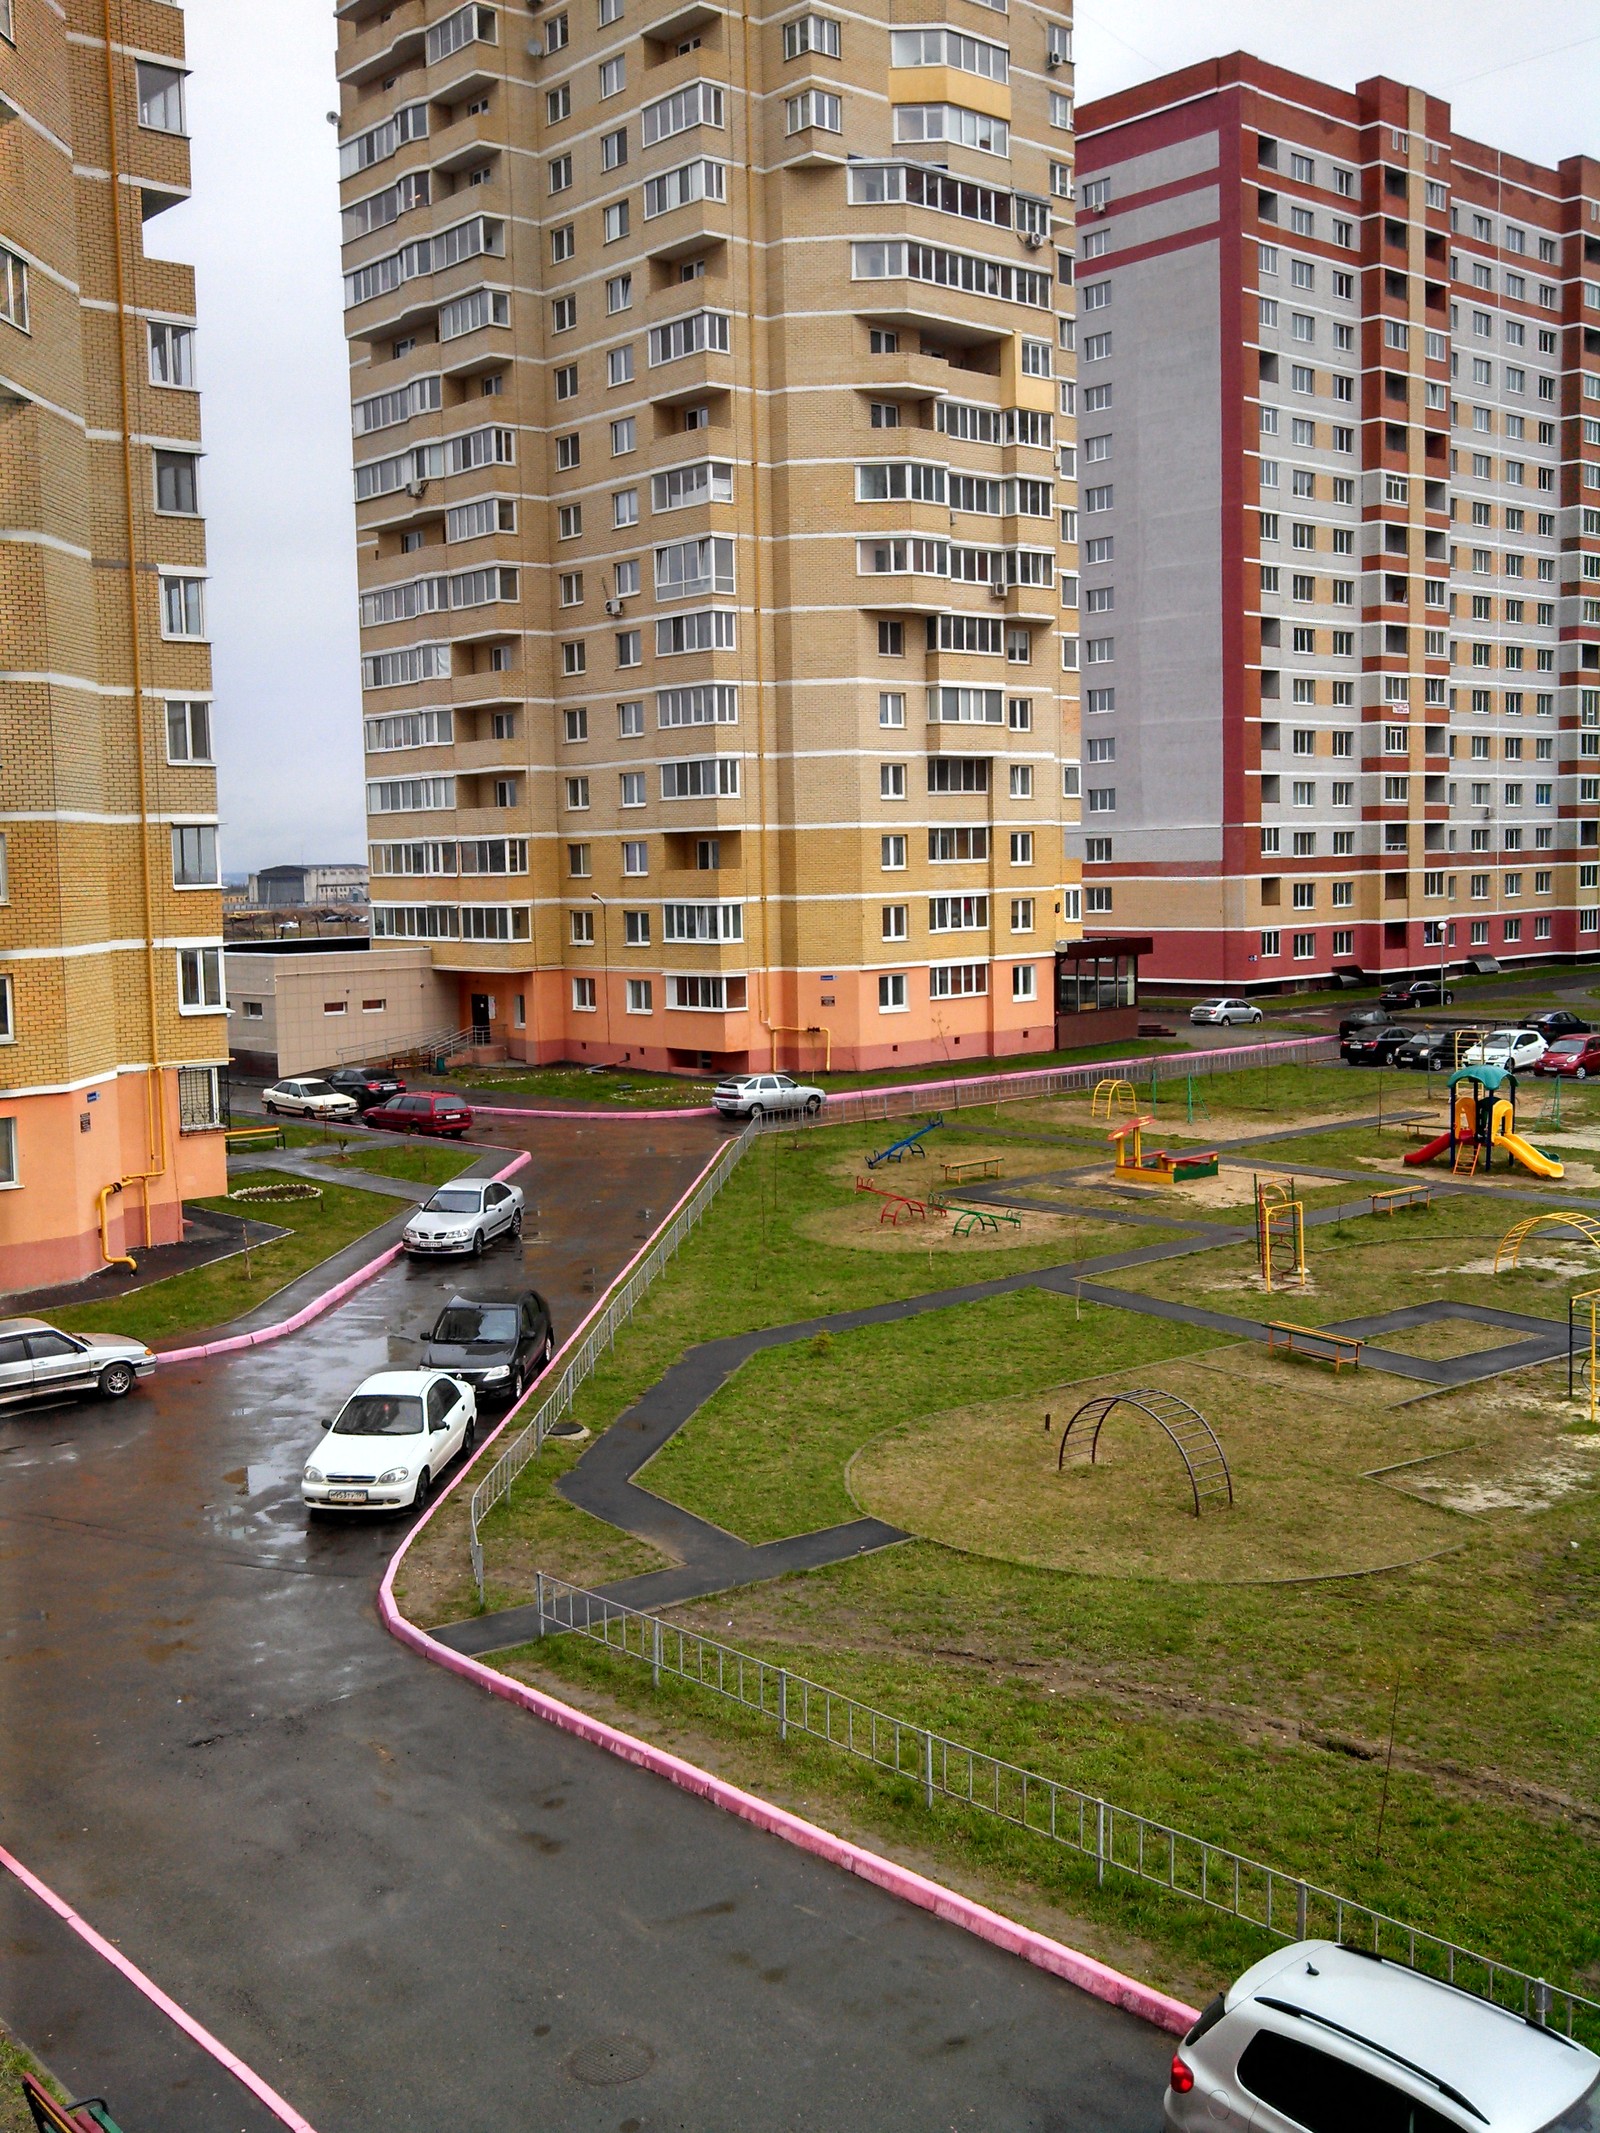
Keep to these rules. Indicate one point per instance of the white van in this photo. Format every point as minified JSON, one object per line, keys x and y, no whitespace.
{"x":1324,"y":2039}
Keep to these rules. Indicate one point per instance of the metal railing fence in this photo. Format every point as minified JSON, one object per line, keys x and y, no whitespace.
{"x":1116,"y":1839}
{"x":852,"y":1106}
{"x":529,"y":1441}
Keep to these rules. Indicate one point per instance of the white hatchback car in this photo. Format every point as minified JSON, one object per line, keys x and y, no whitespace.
{"x":465,"y":1216}
{"x":1517,"y":1050}
{"x":308,"y":1096}
{"x":1227,"y":1012}
{"x":754,"y":1095}
{"x":390,"y":1442}
{"x":1322,"y":2039}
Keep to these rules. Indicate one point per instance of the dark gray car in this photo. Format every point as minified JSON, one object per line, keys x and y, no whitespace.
{"x":40,"y":1362}
{"x":497,"y":1344}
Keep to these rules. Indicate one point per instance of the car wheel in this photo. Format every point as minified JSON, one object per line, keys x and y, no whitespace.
{"x":1449,"y":999}
{"x":1581,"y":1074}
{"x":271,"y":1110}
{"x":757,"y":1112}
{"x":813,"y":1106}
{"x":549,"y":1351}
{"x":471,"y":1436}
{"x":419,"y":1496}
{"x":477,"y":1244}
{"x":1226,"y":1021}
{"x":116,"y":1380}
{"x":516,"y":1223}
{"x":519,"y":1384}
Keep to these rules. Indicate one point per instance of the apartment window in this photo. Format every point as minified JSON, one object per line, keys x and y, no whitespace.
{"x":1305,"y":947}
{"x":1271,"y":944}
{"x":188,"y":731}
{"x":569,"y":521}
{"x":614,"y":221}
{"x":583,"y":995}
{"x":1022,"y":848}
{"x":812,"y":33}
{"x":160,"y":91}
{"x":891,"y":707}
{"x":574,"y":657}
{"x":619,"y":365}
{"x":560,"y":179}
{"x":813,"y":108}
{"x":893,"y":854}
{"x":199,"y":985}
{"x":558,"y":104}
{"x":891,"y":781}
{"x":635,"y":858}
{"x":563,"y":242}
{"x":178,"y":483}
{"x":624,"y":436}
{"x":563,"y":314}
{"x":640,"y":996}
{"x":569,"y":453}
{"x":630,"y":648}
{"x":614,"y":149}
{"x":891,"y":640}
{"x":194,"y":856}
{"x":183,"y":607}
{"x":625,"y":507}
{"x":567,"y":382}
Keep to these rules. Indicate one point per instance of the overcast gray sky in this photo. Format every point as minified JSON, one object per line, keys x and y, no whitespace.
{"x":263,"y":232}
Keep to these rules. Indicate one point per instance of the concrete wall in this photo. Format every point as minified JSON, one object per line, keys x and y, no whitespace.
{"x":316,"y":1011}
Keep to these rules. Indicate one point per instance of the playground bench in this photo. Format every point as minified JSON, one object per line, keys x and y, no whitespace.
{"x":1424,"y":1129}
{"x":1325,"y":1347}
{"x":987,"y":1166}
{"x":255,"y":1137}
{"x":1385,"y":1203}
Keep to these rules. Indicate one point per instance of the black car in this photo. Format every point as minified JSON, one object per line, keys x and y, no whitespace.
{"x":1421,"y":992}
{"x":368,"y":1085}
{"x":1426,"y":1048}
{"x":1363,"y":1020}
{"x":498,"y":1344}
{"x":1374,"y":1047}
{"x":1557,"y":1022}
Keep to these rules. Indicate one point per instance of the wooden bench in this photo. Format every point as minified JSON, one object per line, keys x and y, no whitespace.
{"x":1325,"y":1347}
{"x":986,"y":1166}
{"x":1425,"y":1129}
{"x":1419,"y":1195}
{"x":255,"y":1137}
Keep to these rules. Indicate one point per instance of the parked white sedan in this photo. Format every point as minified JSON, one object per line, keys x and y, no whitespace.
{"x":1517,"y":1050}
{"x":754,"y":1095}
{"x":1225,"y":1012}
{"x":390,"y":1442}
{"x":308,"y":1096}
{"x":466,"y":1216}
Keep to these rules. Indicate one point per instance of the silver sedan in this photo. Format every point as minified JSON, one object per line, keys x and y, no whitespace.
{"x":40,"y":1362}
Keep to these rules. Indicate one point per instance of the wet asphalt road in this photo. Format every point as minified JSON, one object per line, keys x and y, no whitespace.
{"x":405,"y":1904}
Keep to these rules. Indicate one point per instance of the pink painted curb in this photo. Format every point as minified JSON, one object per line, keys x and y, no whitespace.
{"x":910,"y":1088}
{"x":232,"y":1342}
{"x":202,"y":2036}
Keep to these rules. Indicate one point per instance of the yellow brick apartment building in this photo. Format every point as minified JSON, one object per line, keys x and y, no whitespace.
{"x":714,"y":471}
{"x":112,"y":1021}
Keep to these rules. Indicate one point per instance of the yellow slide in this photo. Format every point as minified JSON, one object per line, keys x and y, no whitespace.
{"x":1521,"y":1151}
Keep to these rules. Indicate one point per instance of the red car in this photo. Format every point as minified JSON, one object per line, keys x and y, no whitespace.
{"x":1577,"y":1056}
{"x":421,"y":1114}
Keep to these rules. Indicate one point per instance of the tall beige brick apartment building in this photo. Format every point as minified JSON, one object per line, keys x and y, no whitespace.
{"x":712,"y":385}
{"x":112,"y":1022}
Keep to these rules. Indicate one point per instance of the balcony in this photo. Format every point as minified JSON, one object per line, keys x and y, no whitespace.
{"x":712,"y":814}
{"x":690,"y":378}
{"x":683,"y":231}
{"x":465,"y":142}
{"x":904,"y":376}
{"x":394,"y":39}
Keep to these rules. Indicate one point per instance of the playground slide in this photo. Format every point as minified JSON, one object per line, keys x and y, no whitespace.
{"x":1524,"y":1152}
{"x":1432,"y":1151}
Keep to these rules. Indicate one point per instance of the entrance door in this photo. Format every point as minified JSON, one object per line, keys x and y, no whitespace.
{"x":482,"y":1010}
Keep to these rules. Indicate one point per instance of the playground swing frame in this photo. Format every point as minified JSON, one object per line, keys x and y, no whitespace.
{"x":1280,"y":1213}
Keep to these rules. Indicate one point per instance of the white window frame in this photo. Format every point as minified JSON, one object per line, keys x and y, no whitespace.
{"x":199,"y":961}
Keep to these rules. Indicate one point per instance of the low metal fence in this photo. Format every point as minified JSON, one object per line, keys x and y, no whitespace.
{"x":529,"y":1441}
{"x":852,"y":1106}
{"x":1115,"y":1839}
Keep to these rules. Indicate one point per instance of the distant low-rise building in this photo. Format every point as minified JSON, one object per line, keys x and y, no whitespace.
{"x":312,"y":1006}
{"x":308,"y":885}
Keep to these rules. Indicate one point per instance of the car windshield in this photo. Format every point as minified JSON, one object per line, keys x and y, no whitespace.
{"x":1509,"y":1036}
{"x":1569,"y":1044}
{"x":317,"y":1088}
{"x":380,"y":1414}
{"x":457,"y":1202}
{"x":462,"y":1324}
{"x":1580,"y":2117}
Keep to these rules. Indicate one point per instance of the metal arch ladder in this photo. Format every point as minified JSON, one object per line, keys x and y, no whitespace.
{"x":1198,"y":1446}
{"x":1584,"y":1226}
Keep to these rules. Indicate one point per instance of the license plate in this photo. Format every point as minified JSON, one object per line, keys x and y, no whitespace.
{"x":347,"y":1496}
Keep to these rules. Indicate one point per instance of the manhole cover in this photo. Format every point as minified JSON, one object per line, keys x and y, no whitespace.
{"x":610,"y":2060}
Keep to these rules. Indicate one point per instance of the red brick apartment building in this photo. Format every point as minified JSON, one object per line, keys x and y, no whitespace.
{"x":1339,"y":424}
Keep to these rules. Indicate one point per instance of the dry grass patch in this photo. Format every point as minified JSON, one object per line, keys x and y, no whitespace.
{"x":984,"y":1478}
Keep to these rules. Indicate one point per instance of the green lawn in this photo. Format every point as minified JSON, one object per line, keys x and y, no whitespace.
{"x":210,"y":1296}
{"x":419,"y":1162}
{"x":15,"y":2117}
